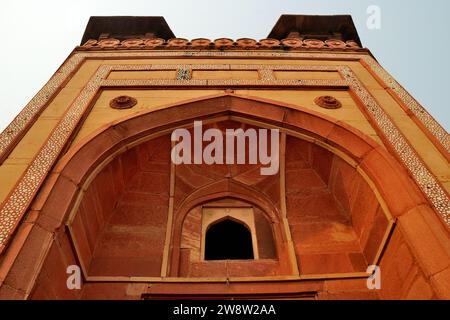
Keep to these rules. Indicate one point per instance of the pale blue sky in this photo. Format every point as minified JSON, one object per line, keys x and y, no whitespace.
{"x":412,"y":43}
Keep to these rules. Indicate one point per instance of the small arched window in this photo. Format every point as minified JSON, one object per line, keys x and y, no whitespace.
{"x":228,"y":240}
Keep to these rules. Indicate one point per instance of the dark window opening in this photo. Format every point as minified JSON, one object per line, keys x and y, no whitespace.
{"x":228,"y":240}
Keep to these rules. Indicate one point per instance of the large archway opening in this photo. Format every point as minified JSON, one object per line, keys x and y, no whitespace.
{"x":333,"y":229}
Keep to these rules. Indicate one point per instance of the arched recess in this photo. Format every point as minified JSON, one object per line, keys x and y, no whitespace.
{"x":232,"y":190}
{"x":79,"y":166}
{"x":224,"y":230}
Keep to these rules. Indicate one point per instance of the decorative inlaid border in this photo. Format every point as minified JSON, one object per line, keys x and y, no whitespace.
{"x":37,"y":104}
{"x":423,"y":177}
{"x":420,"y":112}
{"x":267,"y":78}
{"x":21,"y":196}
{"x":13,"y":131}
{"x":427,"y":182}
{"x":17,"y":202}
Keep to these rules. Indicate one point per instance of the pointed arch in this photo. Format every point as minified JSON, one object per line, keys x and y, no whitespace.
{"x":73,"y":172}
{"x":369,"y":157}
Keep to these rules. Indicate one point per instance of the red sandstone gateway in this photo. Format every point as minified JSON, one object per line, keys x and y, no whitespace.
{"x":92,"y":207}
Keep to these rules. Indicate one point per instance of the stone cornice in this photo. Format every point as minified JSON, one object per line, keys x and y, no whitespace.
{"x":294,"y":44}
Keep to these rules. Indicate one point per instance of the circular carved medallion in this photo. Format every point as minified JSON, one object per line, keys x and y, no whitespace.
{"x":200,"y":42}
{"x":123,"y":102}
{"x":292,"y":42}
{"x":328,"y":102}
{"x":90,"y":43}
{"x":269,"y":43}
{"x":155,"y":42}
{"x":131,"y":43}
{"x":314,"y":43}
{"x":223,"y":43}
{"x":108,"y":43}
{"x":178,"y":42}
{"x":352,"y":44}
{"x":336,"y":44}
{"x":246,"y":43}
